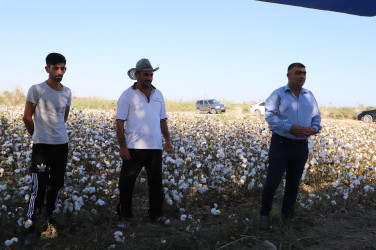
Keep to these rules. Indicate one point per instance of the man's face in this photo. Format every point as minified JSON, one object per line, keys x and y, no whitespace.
{"x":56,"y":72}
{"x":297,"y":77}
{"x":144,"y":78}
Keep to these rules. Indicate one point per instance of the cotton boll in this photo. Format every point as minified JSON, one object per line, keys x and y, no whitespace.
{"x":183,"y":217}
{"x":28,"y":223}
{"x":20,"y":221}
{"x":119,"y":237}
{"x":251,"y":184}
{"x":100,"y":202}
{"x":215,"y":211}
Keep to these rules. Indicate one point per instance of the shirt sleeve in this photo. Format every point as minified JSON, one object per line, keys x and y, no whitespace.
{"x":163,"y":113}
{"x":32,"y":95}
{"x":271,"y":113}
{"x":122,"y":108}
{"x":316,"y":116}
{"x":69,"y":98}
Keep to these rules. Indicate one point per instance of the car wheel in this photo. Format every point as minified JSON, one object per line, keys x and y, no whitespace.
{"x":257,"y":112}
{"x":367,"y":118}
{"x":213,"y":111}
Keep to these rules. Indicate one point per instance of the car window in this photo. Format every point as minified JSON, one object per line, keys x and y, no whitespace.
{"x":205,"y":102}
{"x":262,"y":104}
{"x":213,"y":101}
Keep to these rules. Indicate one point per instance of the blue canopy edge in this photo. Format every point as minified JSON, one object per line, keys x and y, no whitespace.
{"x":355,"y":7}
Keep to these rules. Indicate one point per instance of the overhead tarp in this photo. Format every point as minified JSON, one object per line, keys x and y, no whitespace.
{"x":355,"y":7}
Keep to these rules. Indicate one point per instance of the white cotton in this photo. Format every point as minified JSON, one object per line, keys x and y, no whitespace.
{"x":182,"y":150}
{"x":251,"y":184}
{"x":11,"y":241}
{"x":27,"y":197}
{"x":183,"y":217}
{"x":119,"y":237}
{"x":215,"y":211}
{"x":20,"y":221}
{"x":100,"y":202}
{"x":28,"y":223}
{"x":203,"y":190}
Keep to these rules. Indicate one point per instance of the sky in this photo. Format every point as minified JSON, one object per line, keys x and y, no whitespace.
{"x":236,"y":50}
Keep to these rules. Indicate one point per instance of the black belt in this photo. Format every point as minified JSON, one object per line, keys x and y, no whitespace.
{"x":288,"y":140}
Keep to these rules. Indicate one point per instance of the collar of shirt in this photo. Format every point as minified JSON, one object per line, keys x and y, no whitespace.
{"x":302,"y":91}
{"x":134,"y":86}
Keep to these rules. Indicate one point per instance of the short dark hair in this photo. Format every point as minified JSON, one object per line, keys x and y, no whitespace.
{"x":292,"y":65}
{"x":55,"y":58}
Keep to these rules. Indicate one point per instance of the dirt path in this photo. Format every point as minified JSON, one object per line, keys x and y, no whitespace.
{"x":351,"y":231}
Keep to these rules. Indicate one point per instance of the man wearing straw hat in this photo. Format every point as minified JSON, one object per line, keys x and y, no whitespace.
{"x":141,"y":107}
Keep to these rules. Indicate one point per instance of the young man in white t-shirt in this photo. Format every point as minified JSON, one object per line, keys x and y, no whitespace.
{"x":46,"y":111}
{"x":142,"y":108}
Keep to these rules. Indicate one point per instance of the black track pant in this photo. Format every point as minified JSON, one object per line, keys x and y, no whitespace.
{"x":152,"y":160}
{"x":48,"y":163}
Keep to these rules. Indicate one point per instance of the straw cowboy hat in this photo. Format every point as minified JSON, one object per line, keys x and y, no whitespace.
{"x":142,"y":65}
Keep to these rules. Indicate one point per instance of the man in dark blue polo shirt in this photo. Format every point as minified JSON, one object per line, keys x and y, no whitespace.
{"x":293,"y":115}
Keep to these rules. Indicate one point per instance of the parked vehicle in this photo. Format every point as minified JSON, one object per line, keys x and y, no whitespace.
{"x":210,"y":106}
{"x":258,"y":109}
{"x":367,"y":115}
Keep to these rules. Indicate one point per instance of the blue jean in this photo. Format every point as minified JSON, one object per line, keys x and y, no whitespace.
{"x":284,"y":156}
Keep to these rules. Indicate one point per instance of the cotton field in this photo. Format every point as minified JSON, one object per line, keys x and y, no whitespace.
{"x":211,"y":153}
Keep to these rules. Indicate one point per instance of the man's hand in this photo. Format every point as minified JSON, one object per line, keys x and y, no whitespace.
{"x":300,"y":131}
{"x":124,"y":154}
{"x":168,"y":146}
{"x":296,"y":130}
{"x":308,"y":131}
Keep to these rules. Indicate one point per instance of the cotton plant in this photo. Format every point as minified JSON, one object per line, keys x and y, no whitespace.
{"x":211,"y":155}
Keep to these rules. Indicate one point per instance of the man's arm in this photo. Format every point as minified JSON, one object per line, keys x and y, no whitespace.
{"x":272,"y":113}
{"x":67,"y":108}
{"x":124,"y":152}
{"x":166,"y":135}
{"x":316,"y":120}
{"x":28,"y":116}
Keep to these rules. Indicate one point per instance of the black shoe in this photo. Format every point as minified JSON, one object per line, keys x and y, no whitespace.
{"x":31,"y":239}
{"x":123,"y":223}
{"x":57,"y":223}
{"x":164,"y":221}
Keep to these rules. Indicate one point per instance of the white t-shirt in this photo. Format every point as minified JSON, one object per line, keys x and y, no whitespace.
{"x":143,"y":118}
{"x":49,"y":124}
